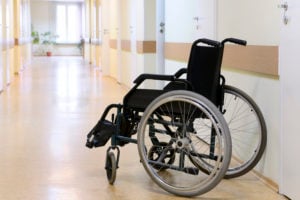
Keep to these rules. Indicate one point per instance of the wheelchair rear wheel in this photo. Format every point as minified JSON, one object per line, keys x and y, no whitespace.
{"x":247,"y":129}
{"x":184,"y":129}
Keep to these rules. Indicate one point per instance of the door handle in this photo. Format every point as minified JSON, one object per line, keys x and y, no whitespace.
{"x":284,"y":6}
{"x":162,"y":27}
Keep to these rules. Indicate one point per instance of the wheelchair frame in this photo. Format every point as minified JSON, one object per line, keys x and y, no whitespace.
{"x":207,"y":97}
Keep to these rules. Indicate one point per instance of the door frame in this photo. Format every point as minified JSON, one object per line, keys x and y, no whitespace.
{"x":289,"y":96}
{"x":105,"y":49}
{"x":160,"y":40}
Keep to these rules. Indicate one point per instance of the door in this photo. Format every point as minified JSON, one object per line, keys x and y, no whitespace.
{"x":105,"y":57}
{"x":1,"y":42}
{"x":5,"y":39}
{"x":99,"y":34}
{"x":133,"y":40}
{"x":205,"y":19}
{"x":160,"y":39}
{"x":118,"y":32}
{"x":115,"y":39}
{"x":8,"y":40}
{"x":187,"y":22}
{"x":94,"y":35}
{"x":289,"y":65}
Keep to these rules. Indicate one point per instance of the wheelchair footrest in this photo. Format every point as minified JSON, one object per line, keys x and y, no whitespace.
{"x":100,"y":134}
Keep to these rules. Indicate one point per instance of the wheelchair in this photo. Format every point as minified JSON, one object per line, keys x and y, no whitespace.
{"x":192,"y":133}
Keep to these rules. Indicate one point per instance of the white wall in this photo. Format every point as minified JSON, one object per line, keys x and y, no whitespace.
{"x":42,"y":16}
{"x":258,"y":22}
{"x":255,"y":20}
{"x":265,"y":92}
{"x":149,"y":20}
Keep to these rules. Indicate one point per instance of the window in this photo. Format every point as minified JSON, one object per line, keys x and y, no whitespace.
{"x":68,"y":23}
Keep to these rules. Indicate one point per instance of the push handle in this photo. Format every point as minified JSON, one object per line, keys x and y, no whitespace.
{"x":208,"y":42}
{"x":236,"y":41}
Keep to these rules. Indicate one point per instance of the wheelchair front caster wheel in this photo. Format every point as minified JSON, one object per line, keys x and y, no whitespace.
{"x":111,"y":167}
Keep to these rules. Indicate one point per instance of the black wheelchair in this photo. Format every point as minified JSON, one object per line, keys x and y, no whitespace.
{"x":192,"y":133}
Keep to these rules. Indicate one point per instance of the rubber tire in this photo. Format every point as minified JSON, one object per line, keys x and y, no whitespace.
{"x":215,"y":115}
{"x":111,"y":167}
{"x":249,"y":165}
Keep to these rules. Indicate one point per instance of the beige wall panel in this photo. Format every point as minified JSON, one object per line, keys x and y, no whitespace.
{"x":177,"y":51}
{"x":258,"y":59}
{"x":125,"y":45}
{"x":142,"y":46}
{"x":146,"y":46}
{"x":113,"y":43}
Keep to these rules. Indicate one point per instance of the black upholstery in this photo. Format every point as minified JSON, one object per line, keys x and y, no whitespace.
{"x":203,"y":70}
{"x":139,"y":99}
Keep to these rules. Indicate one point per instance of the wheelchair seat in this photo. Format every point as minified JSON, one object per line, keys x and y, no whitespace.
{"x":141,"y":98}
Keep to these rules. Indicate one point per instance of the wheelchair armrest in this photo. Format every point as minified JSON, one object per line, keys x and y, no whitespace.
{"x":180,"y":72}
{"x":179,"y":84}
{"x":143,"y":77}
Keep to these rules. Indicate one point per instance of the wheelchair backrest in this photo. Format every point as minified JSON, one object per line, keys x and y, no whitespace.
{"x":204,"y":67}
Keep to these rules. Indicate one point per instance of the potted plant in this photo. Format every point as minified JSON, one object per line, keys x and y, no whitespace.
{"x":35,"y":37}
{"x":48,"y":39}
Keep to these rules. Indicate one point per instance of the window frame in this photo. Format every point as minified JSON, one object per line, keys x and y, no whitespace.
{"x":79,"y":6}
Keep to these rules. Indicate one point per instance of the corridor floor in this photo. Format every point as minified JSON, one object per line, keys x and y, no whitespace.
{"x":45,"y":115}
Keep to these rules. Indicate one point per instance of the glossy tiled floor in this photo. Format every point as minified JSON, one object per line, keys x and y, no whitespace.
{"x":44,"y":117}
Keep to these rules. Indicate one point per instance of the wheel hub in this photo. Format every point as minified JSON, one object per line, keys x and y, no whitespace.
{"x":182,"y":143}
